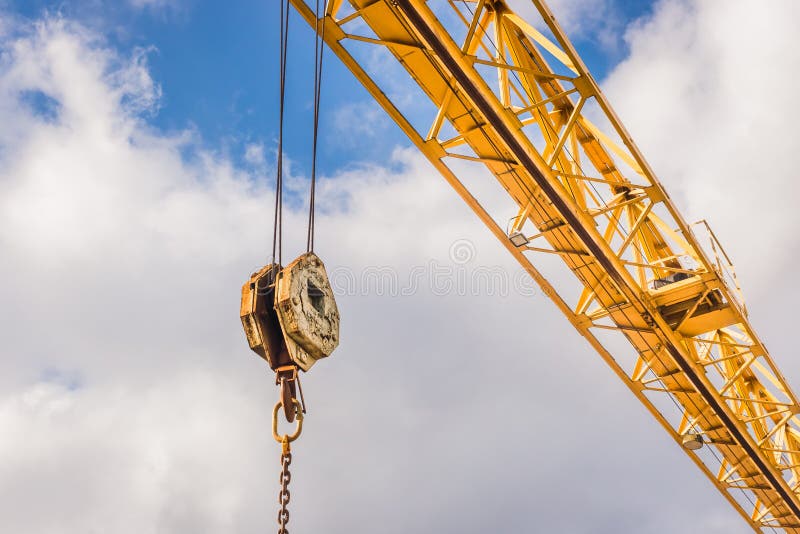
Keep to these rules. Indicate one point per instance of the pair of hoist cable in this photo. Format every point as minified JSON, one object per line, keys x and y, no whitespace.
{"x":277,"y":236}
{"x":319,"y":50}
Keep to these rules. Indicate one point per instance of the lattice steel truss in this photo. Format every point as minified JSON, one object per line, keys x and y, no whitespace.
{"x":512,"y":96}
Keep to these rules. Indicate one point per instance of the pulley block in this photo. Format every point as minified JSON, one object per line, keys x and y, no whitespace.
{"x":290,"y":315}
{"x":307,"y":310}
{"x":259,"y":318}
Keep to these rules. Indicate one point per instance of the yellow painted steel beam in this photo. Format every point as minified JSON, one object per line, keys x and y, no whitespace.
{"x":517,"y":96}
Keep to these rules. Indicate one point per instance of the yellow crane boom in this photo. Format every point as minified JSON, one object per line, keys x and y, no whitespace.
{"x":512,"y":98}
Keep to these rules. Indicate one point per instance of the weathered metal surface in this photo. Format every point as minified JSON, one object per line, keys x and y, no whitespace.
{"x":259,"y":319}
{"x":307,"y":310}
{"x":290,"y":315}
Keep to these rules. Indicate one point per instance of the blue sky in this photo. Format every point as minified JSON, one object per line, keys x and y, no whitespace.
{"x":131,"y":399}
{"x":217,"y":67}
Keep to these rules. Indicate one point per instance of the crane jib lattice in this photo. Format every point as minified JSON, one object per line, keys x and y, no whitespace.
{"x":512,"y":98}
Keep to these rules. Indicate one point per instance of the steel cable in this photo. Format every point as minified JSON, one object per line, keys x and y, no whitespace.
{"x":319,"y":50}
{"x":277,"y":228}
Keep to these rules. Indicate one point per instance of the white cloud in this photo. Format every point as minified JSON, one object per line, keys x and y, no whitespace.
{"x":354,"y":121}
{"x":131,"y":400}
{"x":254,"y":154}
{"x":713,"y":112}
{"x":153,"y":4}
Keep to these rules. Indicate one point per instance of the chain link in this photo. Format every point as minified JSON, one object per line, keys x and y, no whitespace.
{"x":286,"y":459}
{"x":284,"y":496}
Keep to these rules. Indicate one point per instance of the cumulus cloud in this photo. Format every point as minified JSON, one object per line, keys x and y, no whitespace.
{"x":129,"y":401}
{"x":712,"y":111}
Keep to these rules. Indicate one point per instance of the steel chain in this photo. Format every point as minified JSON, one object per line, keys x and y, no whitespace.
{"x":286,"y":459}
{"x":284,"y":496}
